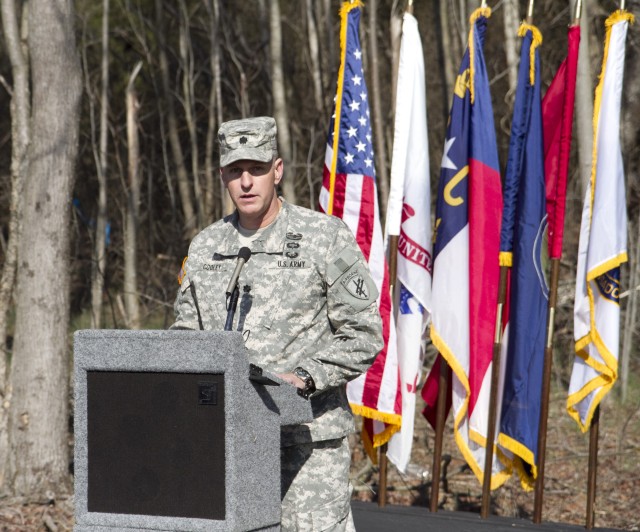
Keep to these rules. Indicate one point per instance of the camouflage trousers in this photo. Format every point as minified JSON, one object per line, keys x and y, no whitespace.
{"x":316,"y":492}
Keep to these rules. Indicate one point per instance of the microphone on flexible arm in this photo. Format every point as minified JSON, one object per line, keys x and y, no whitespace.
{"x":243,"y":256}
{"x":232,"y":290}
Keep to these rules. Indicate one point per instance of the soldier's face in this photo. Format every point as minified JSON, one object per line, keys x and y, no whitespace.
{"x":252,"y":187}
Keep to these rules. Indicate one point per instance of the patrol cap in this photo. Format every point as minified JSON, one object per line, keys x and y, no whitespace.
{"x":248,"y":138}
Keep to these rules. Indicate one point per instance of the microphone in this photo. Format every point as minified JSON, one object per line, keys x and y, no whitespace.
{"x":243,"y":256}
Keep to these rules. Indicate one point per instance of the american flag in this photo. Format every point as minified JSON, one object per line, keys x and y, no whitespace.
{"x":349,"y":192}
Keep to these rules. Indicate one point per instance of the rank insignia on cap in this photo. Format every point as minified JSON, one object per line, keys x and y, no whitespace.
{"x":243,"y":140}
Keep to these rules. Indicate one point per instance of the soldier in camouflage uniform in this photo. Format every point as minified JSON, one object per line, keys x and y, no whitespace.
{"x":307,"y":310}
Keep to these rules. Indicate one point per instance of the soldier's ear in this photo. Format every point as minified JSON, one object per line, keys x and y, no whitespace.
{"x":278,"y":169}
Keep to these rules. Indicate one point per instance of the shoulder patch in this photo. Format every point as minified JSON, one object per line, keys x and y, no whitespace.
{"x":351,"y":281}
{"x":355,"y":282}
{"x":183,"y":271}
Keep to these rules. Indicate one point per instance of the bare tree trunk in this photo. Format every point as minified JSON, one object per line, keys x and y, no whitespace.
{"x":378,"y":120}
{"x":99,"y":263}
{"x":630,"y":320}
{"x":38,"y":464}
{"x":213,"y":211}
{"x":314,"y":54}
{"x":188,"y":96}
{"x":20,"y":138}
{"x":511,"y":23}
{"x":330,"y":55}
{"x":182,"y":176}
{"x":131,"y":300}
{"x":448,"y":63}
{"x":280,"y":112}
{"x":584,"y":103}
{"x":395,"y":30}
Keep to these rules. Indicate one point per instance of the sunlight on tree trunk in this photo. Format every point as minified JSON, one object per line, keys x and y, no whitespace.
{"x":20,"y":138}
{"x":182,"y":176}
{"x":511,"y":17}
{"x":584,"y":103}
{"x":38,"y":464}
{"x":280,"y":112}
{"x":314,"y":55}
{"x":99,"y":262}
{"x":211,"y":209}
{"x":378,"y":120}
{"x":188,"y":99}
{"x":130,"y":287}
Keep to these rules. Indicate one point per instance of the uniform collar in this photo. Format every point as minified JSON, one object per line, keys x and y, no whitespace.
{"x":270,"y":241}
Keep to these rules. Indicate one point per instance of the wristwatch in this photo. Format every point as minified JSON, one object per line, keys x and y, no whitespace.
{"x":309,"y":385}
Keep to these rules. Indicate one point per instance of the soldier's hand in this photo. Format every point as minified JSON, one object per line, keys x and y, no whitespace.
{"x":291,"y":379}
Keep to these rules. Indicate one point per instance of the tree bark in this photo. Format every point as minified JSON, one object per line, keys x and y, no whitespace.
{"x":182,"y":176}
{"x":20,"y":138}
{"x":448,"y":63}
{"x":511,"y":21}
{"x":213,"y":211}
{"x":280,"y":112}
{"x":584,"y":104}
{"x":395,"y":37}
{"x":630,"y":321}
{"x":188,"y":98}
{"x":378,"y":120}
{"x":38,"y":465}
{"x":99,"y":263}
{"x":314,"y":55}
{"x":131,"y":300}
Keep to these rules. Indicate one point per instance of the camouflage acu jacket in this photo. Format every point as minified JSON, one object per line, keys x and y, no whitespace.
{"x":306,"y":299}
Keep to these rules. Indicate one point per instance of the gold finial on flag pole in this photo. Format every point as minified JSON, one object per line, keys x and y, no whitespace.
{"x":622,"y":2}
{"x":410,"y":7}
{"x":530,"y":12}
{"x":579,"y":9}
{"x":483,"y":3}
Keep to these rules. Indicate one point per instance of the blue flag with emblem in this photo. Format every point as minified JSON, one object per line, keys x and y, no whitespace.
{"x":522,"y":245}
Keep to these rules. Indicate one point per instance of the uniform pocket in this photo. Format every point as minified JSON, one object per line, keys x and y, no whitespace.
{"x":327,"y":517}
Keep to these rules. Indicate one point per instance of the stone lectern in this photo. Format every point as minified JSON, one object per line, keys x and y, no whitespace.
{"x":175,"y":431}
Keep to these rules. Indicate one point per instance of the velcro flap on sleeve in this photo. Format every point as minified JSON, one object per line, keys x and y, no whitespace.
{"x":340,"y":265}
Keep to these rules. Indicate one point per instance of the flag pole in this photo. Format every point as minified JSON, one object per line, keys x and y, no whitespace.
{"x":546,"y":386}
{"x":382,"y":460}
{"x":495,"y":368}
{"x":393,"y":272}
{"x":593,"y":468}
{"x":441,"y":411}
{"x":530,"y":12}
{"x":548,"y":362}
{"x":493,"y":398}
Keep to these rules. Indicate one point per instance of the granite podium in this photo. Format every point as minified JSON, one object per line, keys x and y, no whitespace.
{"x":174,"y":430}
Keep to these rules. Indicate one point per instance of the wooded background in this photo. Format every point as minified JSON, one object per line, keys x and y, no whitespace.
{"x":108,"y":160}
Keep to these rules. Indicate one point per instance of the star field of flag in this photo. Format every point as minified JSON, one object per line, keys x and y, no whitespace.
{"x":355,"y":149}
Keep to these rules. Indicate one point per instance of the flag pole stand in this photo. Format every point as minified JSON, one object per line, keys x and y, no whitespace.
{"x":493,"y":398}
{"x":593,"y":468}
{"x":441,"y":410}
{"x":546,"y":386}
